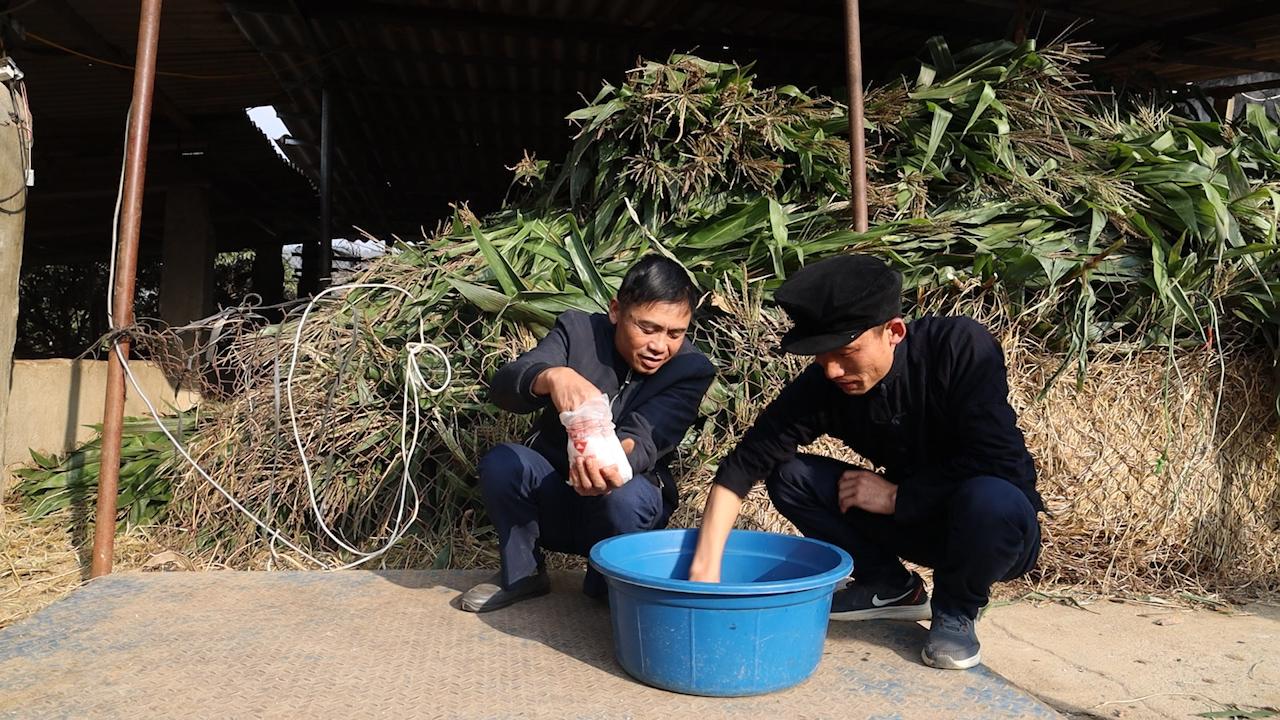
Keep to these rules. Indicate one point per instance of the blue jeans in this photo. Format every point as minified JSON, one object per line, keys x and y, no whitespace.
{"x":986,"y":532}
{"x":533,"y":508}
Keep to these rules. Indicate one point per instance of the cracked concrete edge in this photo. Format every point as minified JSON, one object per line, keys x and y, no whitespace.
{"x":1117,"y":662}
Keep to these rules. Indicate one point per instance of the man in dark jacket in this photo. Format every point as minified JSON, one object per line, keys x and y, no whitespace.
{"x":638,"y":355}
{"x":928,"y":403}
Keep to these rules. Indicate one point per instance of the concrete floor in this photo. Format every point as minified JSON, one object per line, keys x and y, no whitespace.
{"x":391,"y":644}
{"x":1137,"y":661}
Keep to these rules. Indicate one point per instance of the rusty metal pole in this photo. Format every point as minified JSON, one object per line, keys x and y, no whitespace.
{"x":1020,"y":22}
{"x":857,"y":144}
{"x":144,"y":75}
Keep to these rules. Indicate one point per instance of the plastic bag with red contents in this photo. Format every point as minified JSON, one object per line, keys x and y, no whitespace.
{"x":591,"y":434}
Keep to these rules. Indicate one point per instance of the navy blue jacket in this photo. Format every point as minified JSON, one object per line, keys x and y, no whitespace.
{"x":939,"y":417}
{"x":653,"y":410}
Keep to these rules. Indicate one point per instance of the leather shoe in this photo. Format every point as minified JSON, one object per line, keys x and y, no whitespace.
{"x":490,"y":595}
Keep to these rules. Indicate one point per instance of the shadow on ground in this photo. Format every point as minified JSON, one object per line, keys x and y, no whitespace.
{"x":587,"y":634}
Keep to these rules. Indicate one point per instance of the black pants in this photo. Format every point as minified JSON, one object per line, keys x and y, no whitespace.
{"x":533,"y":508}
{"x":986,"y":532}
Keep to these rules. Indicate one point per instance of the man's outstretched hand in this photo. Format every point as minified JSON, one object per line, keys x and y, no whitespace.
{"x":868,"y":491}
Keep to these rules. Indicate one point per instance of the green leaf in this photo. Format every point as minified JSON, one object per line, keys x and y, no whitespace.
{"x":585,"y":267}
{"x":502,"y":271}
{"x":48,"y":462}
{"x":487,"y":299}
{"x":597,"y":114}
{"x":941,"y":55}
{"x":1236,"y":180}
{"x":442,"y":558}
{"x":778,"y":223}
{"x":1098,"y":223}
{"x":729,"y":229}
{"x":1258,"y":120}
{"x":985,"y":100}
{"x":1179,"y":200}
{"x":1159,"y":269}
{"x":938,"y":128}
{"x":925,"y":77}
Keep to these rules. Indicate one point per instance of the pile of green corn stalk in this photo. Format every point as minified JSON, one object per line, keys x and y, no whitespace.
{"x":1003,"y":186}
{"x":53,"y":484}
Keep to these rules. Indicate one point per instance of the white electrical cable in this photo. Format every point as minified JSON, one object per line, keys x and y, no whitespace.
{"x":115,"y":223}
{"x":414,"y":383}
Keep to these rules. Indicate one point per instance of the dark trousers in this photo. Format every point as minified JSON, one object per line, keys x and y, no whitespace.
{"x":986,"y":532}
{"x":533,"y":508}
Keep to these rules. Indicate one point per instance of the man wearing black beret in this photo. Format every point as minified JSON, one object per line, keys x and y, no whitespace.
{"x":925,"y":401}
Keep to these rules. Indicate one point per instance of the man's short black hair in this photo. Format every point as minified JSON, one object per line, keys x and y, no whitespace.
{"x":657,"y":279}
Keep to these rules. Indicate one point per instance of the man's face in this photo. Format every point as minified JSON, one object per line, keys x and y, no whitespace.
{"x":860,"y":365}
{"x":649,"y":335}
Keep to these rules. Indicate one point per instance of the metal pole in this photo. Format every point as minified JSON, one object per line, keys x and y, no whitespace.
{"x":324,"y":266}
{"x":857,"y":146}
{"x":1020,"y":22}
{"x":144,"y":76}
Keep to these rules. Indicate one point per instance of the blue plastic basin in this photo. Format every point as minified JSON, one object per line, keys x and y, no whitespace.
{"x":761,"y":629}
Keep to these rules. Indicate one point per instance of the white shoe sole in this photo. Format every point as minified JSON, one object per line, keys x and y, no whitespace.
{"x":944,"y":662}
{"x":892,"y":612}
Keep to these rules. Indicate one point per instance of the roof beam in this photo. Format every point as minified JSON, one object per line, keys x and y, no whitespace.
{"x":1205,"y":30}
{"x":428,"y":57}
{"x":357,"y":194}
{"x":96,"y":44}
{"x":1209,"y":27}
{"x":437,"y":18}
{"x":1226,"y":63}
{"x":563,"y":100}
{"x":1064,"y":11}
{"x":1230,"y":90}
{"x":374,"y":200}
{"x":898,"y":16}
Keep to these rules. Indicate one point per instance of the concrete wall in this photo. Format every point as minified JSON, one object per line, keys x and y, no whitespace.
{"x":52,"y":402}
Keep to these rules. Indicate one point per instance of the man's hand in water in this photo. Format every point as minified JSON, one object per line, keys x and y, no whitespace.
{"x":705,"y":575}
{"x":868,"y":491}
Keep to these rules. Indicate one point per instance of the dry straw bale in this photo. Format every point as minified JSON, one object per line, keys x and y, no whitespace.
{"x":1159,"y":472}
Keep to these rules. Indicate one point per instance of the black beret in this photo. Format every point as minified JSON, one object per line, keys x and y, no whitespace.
{"x":833,"y":301}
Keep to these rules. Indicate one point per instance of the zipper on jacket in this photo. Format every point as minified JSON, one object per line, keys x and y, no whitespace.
{"x":625,"y":383}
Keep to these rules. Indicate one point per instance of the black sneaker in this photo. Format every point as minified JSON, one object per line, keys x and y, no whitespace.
{"x":952,"y":643}
{"x":881,"y":601}
{"x":490,"y":595}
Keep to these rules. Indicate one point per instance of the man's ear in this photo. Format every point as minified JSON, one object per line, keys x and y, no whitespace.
{"x":614,"y":311}
{"x":897,"y":330}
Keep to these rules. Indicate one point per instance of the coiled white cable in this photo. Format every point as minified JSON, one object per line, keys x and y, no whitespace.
{"x":414,"y":384}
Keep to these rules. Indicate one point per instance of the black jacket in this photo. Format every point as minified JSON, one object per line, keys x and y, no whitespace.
{"x":654,"y":410}
{"x":939,"y":417}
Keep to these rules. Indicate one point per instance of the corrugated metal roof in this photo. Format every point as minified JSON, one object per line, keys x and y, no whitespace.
{"x":71,"y":52}
{"x":435,"y":97}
